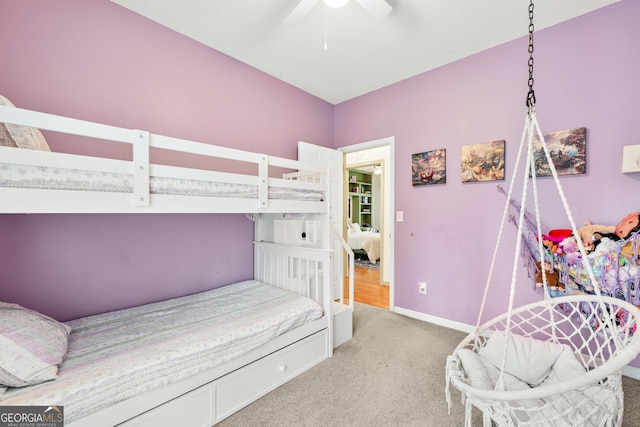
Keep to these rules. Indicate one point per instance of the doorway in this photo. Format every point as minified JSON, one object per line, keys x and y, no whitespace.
{"x":368,"y":172}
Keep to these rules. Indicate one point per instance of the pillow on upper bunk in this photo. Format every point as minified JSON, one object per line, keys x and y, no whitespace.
{"x":21,"y":136}
{"x":33,"y":345}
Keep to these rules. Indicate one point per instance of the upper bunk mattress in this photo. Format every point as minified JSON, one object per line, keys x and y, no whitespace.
{"x":56,"y":178}
{"x":117,"y":355}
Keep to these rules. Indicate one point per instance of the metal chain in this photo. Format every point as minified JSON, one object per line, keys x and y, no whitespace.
{"x":531,"y":95}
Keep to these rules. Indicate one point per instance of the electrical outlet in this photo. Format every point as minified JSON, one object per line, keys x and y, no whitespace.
{"x":422,"y":288}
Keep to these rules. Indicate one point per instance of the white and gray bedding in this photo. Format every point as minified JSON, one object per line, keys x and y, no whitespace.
{"x":114,"y":356}
{"x":55,"y":178}
{"x":367,"y":241}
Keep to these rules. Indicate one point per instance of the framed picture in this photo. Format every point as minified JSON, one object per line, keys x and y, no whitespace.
{"x":568,"y":149}
{"x":482,"y":162}
{"x":429,"y":168}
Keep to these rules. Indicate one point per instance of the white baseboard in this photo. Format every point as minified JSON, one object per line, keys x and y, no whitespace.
{"x":631,"y":372}
{"x":435,"y":320}
{"x":627,"y":371}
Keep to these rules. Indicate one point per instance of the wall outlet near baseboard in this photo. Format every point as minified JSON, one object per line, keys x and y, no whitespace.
{"x":422,"y":287}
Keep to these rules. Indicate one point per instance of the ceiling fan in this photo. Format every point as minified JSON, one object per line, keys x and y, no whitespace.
{"x":377,"y":8}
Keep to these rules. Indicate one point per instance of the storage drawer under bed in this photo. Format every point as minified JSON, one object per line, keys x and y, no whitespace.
{"x":245,"y":385}
{"x":218,"y":399}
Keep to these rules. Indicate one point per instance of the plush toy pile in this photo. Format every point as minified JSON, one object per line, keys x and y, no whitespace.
{"x":612,"y":252}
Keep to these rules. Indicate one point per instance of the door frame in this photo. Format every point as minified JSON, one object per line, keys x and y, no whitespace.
{"x":389,"y":170}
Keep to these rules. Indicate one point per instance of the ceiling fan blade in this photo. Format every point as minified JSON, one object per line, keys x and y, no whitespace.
{"x":378,"y":8}
{"x":300,"y":11}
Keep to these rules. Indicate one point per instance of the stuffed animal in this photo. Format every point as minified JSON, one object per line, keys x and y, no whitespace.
{"x":552,"y":240}
{"x":628,"y":225}
{"x":625,"y":230}
{"x":569,"y":246}
{"x":553,"y":277}
{"x":589,"y":233}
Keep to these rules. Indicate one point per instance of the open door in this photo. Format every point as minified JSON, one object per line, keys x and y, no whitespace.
{"x":334,"y":160}
{"x":319,"y":155}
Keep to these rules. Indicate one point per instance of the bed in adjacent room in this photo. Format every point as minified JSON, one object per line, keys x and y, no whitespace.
{"x":367,"y":241}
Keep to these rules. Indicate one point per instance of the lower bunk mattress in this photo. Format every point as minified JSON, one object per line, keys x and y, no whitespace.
{"x":114,"y":356}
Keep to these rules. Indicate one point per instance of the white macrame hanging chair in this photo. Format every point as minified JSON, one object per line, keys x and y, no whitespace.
{"x":597,"y":331}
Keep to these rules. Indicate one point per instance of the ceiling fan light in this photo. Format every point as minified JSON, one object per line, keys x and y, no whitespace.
{"x":335,"y":3}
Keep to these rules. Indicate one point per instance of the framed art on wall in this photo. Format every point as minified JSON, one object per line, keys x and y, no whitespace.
{"x":568,"y":150}
{"x":429,"y":167}
{"x":482,"y":162}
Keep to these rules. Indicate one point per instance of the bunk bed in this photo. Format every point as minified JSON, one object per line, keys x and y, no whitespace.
{"x":189,"y":379}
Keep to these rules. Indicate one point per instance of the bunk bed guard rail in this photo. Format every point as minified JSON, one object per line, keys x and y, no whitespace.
{"x":306,"y":176}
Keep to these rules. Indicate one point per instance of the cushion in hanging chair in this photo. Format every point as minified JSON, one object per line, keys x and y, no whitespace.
{"x":528,"y":359}
{"x":584,"y":385}
{"x":574,"y":405}
{"x":529,"y":362}
{"x":483,"y":374}
{"x":566,"y":368}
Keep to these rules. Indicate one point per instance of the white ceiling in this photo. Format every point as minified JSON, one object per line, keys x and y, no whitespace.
{"x":363,"y":54}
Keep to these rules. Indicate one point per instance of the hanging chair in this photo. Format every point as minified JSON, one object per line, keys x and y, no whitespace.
{"x":555,"y":362}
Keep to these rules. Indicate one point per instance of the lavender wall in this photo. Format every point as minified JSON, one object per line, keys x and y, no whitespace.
{"x":97,"y":61}
{"x":585,"y":75}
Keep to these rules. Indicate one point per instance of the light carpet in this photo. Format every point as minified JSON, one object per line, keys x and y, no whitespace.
{"x":390,"y":374}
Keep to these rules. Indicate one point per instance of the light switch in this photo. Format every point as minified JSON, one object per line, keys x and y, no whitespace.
{"x":399,"y":216}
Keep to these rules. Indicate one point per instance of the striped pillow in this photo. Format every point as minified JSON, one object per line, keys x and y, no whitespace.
{"x":33,"y":345}
{"x":21,"y":136}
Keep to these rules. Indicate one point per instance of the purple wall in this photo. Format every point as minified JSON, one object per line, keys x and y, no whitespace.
{"x":585,"y":75}
{"x":95,"y":60}
{"x":72,"y":265}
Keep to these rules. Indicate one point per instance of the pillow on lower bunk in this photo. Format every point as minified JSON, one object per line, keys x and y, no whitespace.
{"x":528,"y":359}
{"x":33,"y":345}
{"x":20,"y":136}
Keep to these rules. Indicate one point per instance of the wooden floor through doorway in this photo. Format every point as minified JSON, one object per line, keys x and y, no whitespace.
{"x":367,"y":288}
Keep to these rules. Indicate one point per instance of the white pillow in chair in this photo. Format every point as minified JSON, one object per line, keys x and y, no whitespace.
{"x":483,"y":374}
{"x":528,"y":359}
{"x":567,"y":367}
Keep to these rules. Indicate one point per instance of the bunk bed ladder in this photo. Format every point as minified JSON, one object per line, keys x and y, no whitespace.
{"x":343,"y":312}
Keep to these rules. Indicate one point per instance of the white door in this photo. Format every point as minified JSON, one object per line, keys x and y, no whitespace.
{"x":318,"y":155}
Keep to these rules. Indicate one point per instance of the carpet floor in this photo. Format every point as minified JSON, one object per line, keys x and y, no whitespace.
{"x":390,"y":374}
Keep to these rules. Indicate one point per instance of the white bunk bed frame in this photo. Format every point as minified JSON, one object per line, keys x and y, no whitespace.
{"x":209,"y":397}
{"x":15,"y":200}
